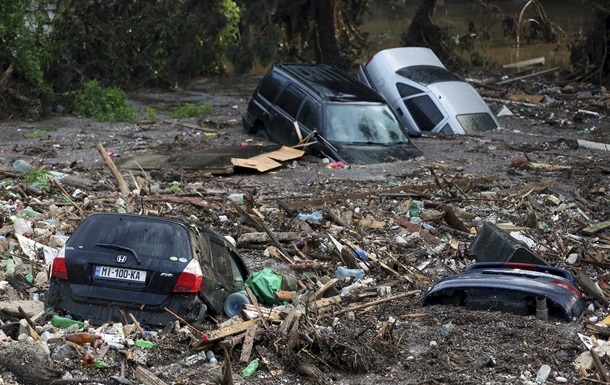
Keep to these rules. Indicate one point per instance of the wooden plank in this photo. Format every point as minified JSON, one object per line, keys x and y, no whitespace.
{"x":526,"y":63}
{"x":287,"y":322}
{"x":255,"y":303}
{"x":590,"y":230}
{"x":284,"y":295}
{"x":147,"y":377}
{"x":324,"y":302}
{"x":229,"y":330}
{"x":323,"y":289}
{"x":248,"y":343}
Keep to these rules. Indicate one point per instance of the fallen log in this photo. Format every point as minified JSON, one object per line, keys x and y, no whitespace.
{"x":38,"y":369}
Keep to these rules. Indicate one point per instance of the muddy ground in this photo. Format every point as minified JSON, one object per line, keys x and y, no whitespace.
{"x":533,"y":176}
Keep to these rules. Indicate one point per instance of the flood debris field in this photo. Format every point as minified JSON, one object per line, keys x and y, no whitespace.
{"x":544,"y":177}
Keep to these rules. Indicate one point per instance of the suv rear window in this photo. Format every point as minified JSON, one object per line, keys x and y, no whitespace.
{"x":147,"y":237}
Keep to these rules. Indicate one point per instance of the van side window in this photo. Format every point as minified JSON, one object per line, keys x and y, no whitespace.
{"x":308,"y":115}
{"x":271,"y":85}
{"x":290,"y":100}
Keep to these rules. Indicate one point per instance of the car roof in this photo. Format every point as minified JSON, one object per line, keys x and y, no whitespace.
{"x":331,"y":83}
{"x":463,"y":98}
{"x":402,"y":57}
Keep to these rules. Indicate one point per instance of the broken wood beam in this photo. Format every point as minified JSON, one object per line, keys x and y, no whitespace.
{"x":147,"y":377}
{"x":229,"y":330}
{"x":379,"y":301}
{"x":123,"y":188}
{"x":248,"y":343}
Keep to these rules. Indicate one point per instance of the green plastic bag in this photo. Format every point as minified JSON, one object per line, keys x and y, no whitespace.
{"x":264,"y":284}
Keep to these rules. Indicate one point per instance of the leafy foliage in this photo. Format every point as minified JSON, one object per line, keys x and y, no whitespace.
{"x":190,"y":110}
{"x":136,"y":43}
{"x":22,"y":62}
{"x":103,"y":104}
{"x":38,"y":178}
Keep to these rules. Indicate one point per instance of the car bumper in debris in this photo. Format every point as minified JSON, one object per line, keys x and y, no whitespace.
{"x":510,"y":287}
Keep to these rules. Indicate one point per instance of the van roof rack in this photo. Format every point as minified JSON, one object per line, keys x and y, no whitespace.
{"x":331,"y":83}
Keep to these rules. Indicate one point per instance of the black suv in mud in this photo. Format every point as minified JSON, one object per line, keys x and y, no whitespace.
{"x":340,"y":116}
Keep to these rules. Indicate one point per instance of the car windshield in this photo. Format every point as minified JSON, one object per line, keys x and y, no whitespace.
{"x":363,"y":123}
{"x":147,"y":237}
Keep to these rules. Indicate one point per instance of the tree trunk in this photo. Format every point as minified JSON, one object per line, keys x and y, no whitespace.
{"x":326,"y":43}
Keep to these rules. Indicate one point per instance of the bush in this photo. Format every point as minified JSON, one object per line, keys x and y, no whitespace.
{"x":190,"y":110}
{"x":103,"y":104}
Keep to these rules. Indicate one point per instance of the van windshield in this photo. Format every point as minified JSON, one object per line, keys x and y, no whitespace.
{"x":363,"y":123}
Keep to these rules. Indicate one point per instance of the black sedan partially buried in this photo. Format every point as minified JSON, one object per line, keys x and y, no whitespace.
{"x":116,"y":264}
{"x":519,"y":288}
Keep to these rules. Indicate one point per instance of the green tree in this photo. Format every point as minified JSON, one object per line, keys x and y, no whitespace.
{"x":320,"y":31}
{"x":137,"y":43}
{"x":22,"y":34}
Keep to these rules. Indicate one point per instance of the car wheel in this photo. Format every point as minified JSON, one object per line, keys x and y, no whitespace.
{"x":259,"y":131}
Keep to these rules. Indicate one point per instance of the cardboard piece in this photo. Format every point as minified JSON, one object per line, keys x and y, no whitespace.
{"x":270,"y":160}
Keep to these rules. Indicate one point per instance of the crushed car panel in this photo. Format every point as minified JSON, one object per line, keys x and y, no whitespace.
{"x":510,"y":287}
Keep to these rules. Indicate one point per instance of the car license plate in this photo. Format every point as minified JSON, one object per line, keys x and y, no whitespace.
{"x":119,"y":273}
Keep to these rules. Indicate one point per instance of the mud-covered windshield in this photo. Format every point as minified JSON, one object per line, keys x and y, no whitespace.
{"x":363,"y":123}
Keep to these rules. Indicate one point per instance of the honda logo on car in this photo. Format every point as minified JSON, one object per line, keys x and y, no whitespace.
{"x":121,"y":258}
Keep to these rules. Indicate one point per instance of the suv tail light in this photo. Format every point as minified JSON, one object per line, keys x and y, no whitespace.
{"x":190,"y":280}
{"x":59,"y":269}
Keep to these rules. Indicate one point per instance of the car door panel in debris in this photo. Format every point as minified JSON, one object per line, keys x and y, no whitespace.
{"x":116,"y":264}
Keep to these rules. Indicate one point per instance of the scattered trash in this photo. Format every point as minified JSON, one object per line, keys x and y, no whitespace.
{"x":543,"y":374}
{"x":144,"y":344}
{"x":313,"y":217}
{"x":342,"y":273}
{"x":250,"y":368}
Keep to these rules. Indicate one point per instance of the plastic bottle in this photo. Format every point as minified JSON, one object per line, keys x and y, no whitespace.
{"x":211,"y":357}
{"x":10,"y":267}
{"x":63,"y":322}
{"x":144,"y":344}
{"x":313,"y":217}
{"x":543,"y":374}
{"x":235,"y":302}
{"x":413,"y":210}
{"x":250,"y":369}
{"x":102,"y":365}
{"x":22,"y":166}
{"x":22,"y":227}
{"x":237,"y":198}
{"x":342,"y":273}
{"x":82,"y":338}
